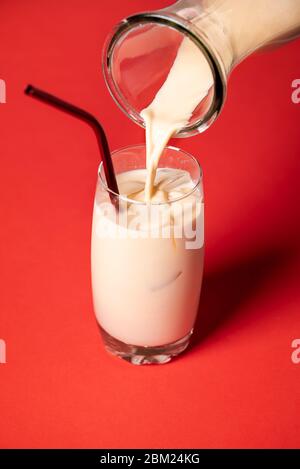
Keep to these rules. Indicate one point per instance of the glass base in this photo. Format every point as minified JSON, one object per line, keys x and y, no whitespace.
{"x":139,"y":355}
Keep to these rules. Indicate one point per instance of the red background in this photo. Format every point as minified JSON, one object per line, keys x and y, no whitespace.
{"x":237,"y":385}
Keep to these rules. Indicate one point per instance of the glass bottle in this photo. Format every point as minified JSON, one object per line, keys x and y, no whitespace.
{"x":141,"y":49}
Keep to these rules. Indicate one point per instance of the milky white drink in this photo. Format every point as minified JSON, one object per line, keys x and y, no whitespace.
{"x":187,"y":84}
{"x":146,"y":288}
{"x":146,"y":276}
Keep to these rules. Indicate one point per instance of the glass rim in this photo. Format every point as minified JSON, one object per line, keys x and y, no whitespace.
{"x":144,"y":203}
{"x":185,"y":28}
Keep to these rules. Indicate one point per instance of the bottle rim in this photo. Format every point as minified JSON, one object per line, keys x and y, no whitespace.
{"x":184,"y":27}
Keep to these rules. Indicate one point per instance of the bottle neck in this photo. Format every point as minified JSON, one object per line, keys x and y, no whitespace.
{"x":235,"y":29}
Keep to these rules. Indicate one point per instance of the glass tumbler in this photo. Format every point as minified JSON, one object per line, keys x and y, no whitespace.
{"x":147,"y":258}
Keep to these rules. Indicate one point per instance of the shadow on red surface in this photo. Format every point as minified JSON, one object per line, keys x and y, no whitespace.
{"x":227,"y":291}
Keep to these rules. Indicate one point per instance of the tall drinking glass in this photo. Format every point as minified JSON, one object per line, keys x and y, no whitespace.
{"x":147,"y":258}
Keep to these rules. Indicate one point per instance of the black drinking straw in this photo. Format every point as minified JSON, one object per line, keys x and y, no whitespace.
{"x":97,"y":127}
